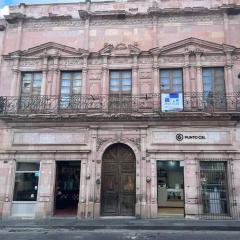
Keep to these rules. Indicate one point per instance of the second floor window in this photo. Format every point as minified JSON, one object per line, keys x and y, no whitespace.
{"x":31,"y":84}
{"x":71,"y":87}
{"x":171,"y":89}
{"x":214,"y":87}
{"x":120,"y":90}
{"x":30,"y":91}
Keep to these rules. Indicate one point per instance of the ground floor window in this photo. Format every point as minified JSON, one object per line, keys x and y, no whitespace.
{"x":170,"y":183}
{"x":26,"y":182}
{"x":214,"y":188}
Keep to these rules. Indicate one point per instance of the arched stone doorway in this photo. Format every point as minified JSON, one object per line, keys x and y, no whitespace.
{"x":118,"y":188}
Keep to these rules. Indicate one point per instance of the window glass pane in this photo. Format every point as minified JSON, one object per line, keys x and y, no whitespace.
{"x":37,"y":83}
{"x":165,"y":87}
{"x":77,"y":83}
{"x":177,"y":74}
{"x":164,"y":74}
{"x":126,"y":74}
{"x":66,"y":75}
{"x":126,"y":82}
{"x":77,"y":75}
{"x":76,"y":90}
{"x":36,"y":91}
{"x":219,"y":72}
{"x":26,"y":87}
{"x":213,"y":79}
{"x":26,"y":76}
{"x":27,"y":166}
{"x":164,"y":81}
{"x":26,"y":186}
{"x":31,"y":84}
{"x":115,"y":74}
{"x":177,"y":81}
{"x":126,"y":88}
{"x":114,"y":88}
{"x":66,"y":83}
{"x":37,"y":76}
{"x":207,"y":72}
{"x":114,"y":82}
{"x":65,"y":90}
{"x":177,"y":88}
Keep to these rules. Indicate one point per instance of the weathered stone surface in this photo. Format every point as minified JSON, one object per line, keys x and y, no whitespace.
{"x":95,"y":38}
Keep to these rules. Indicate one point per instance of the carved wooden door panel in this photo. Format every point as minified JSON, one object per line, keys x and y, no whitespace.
{"x":118,"y":194}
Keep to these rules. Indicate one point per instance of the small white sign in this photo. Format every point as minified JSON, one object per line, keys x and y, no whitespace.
{"x":172,"y":102}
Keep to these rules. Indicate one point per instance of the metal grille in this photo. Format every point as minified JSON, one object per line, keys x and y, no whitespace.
{"x":123,"y":103}
{"x":216,"y":191}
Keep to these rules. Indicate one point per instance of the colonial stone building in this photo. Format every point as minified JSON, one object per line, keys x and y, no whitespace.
{"x":121,"y":108}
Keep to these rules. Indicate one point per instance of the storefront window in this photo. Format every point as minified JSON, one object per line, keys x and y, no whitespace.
{"x":170,"y":187}
{"x":26,"y":182}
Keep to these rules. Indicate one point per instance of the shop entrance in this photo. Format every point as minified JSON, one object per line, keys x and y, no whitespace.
{"x":170,"y":182}
{"x":118,"y":190}
{"x":67,"y":188}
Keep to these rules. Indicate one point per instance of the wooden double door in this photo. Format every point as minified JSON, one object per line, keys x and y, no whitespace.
{"x":118,"y":190}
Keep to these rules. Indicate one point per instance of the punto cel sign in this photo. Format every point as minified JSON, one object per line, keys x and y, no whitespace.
{"x":180,"y":137}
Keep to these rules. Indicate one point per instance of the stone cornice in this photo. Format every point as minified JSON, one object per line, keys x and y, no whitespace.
{"x":231,"y":9}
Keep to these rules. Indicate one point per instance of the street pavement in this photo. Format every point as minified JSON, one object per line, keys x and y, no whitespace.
{"x":117,"y":224}
{"x":35,"y":234}
{"x":119,"y":229}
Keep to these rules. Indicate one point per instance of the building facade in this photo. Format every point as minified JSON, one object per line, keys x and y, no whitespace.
{"x":122,"y":108}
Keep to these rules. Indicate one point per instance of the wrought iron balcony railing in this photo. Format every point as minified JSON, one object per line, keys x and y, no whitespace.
{"x":113,"y":104}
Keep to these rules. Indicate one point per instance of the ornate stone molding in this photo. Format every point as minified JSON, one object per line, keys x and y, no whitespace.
{"x":135,"y":140}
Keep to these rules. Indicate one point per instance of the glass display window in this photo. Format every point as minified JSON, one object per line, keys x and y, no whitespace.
{"x":26,"y":182}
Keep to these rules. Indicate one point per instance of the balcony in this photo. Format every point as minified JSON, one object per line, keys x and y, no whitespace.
{"x":121,"y":107}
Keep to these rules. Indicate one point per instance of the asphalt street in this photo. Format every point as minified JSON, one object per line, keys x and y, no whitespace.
{"x":35,"y":234}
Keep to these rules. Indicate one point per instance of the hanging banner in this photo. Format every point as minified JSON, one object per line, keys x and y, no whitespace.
{"x":172,"y":102}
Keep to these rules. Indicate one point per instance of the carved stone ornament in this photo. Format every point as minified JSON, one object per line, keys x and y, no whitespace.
{"x":145,"y":74}
{"x":120,"y":49}
{"x":135,"y":140}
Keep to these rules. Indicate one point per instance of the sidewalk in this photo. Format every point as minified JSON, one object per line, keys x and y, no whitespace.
{"x":126,"y":224}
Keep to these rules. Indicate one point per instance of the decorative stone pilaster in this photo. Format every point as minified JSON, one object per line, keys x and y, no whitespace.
{"x":156,"y":82}
{"x":55,"y":77}
{"x":135,"y":89}
{"x":83,"y":190}
{"x":91,"y":177}
{"x":84,"y":74}
{"x":44,"y":75}
{"x":199,"y":79}
{"x":229,"y":76}
{"x":191,"y":186}
{"x":15,"y":87}
{"x":8,"y":186}
{"x":143,"y":198}
{"x":105,"y":84}
{"x":186,"y":81}
{"x":154,"y":186}
{"x":45,"y":200}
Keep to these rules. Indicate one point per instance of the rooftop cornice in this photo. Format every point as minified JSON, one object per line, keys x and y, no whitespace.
{"x":231,"y":9}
